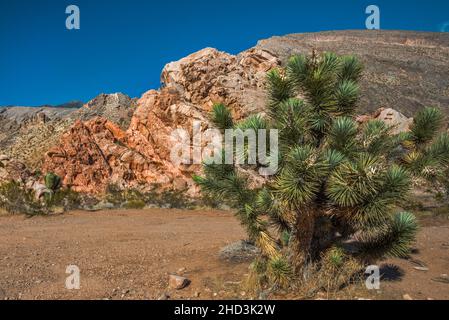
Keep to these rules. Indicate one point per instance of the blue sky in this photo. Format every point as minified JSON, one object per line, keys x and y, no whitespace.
{"x":122,"y":46}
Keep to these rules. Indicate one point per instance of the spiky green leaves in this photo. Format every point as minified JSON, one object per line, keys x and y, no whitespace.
{"x":316,"y":78}
{"x":355,"y":181}
{"x":374,"y":211}
{"x":328,"y":84}
{"x":367,"y":189}
{"x":428,"y":154}
{"x":403,"y":233}
{"x":246,"y":135}
{"x":439,"y":149}
{"x":292,"y":118}
{"x":347,"y":96}
{"x":342,"y":136}
{"x":222,"y":117}
{"x":351,"y":69}
{"x":426,"y":125}
{"x":232,"y":188}
{"x":280,"y":88}
{"x":327,"y":81}
{"x":428,"y":162}
{"x":279,"y":271}
{"x":52,"y":181}
{"x":278,"y":211}
{"x":375,"y":137}
{"x":301,"y":177}
{"x":333,"y":158}
{"x":394,"y":240}
{"x":254,"y":122}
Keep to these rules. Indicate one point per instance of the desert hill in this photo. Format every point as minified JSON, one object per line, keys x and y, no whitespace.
{"x":404,"y":70}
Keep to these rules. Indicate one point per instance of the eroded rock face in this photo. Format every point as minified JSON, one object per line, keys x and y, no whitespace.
{"x":117,"y":108}
{"x":26,"y":133}
{"x":97,"y":152}
{"x":210,"y":76}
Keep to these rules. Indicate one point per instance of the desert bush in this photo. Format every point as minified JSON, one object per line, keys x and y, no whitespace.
{"x":15,"y":199}
{"x":62,"y":198}
{"x":114,"y":194}
{"x":37,"y":174}
{"x":338,"y":180}
{"x":134,"y":204}
{"x":156,"y":197}
{"x":175,"y":199}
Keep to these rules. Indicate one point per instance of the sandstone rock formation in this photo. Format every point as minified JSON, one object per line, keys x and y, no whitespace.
{"x":209,"y":76}
{"x":30,"y":132}
{"x":95,"y":153}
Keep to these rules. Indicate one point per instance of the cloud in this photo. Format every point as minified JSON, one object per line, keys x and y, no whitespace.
{"x":444,"y":27}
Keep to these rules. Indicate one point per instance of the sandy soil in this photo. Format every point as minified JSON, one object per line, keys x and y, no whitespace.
{"x":120,"y":254}
{"x":402,"y":277}
{"x":130,"y":254}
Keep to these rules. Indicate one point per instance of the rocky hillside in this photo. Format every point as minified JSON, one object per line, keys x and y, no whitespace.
{"x":403,"y":70}
{"x":115,"y":139}
{"x":27,"y":133}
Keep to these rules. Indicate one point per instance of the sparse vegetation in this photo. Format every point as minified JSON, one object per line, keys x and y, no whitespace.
{"x":135,"y":199}
{"x":15,"y":199}
{"x":63,"y":198}
{"x":338,"y":181}
{"x":134,"y":204}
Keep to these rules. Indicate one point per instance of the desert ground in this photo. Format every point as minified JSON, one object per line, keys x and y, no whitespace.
{"x":130,"y":255}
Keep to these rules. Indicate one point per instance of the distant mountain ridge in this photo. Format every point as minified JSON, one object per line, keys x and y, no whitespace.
{"x":68,"y":105}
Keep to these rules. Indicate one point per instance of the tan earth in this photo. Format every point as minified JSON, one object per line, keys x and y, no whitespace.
{"x":130,"y":255}
{"x":120,"y":254}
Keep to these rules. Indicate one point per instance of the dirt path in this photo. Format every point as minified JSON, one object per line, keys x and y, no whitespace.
{"x":120,"y":254}
{"x":129,"y":255}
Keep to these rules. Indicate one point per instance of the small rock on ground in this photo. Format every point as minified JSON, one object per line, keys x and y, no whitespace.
{"x":178,"y":282}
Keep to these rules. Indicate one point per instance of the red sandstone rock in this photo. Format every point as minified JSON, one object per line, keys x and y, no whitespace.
{"x":95,"y":153}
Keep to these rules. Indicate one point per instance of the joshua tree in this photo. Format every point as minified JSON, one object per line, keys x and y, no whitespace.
{"x":339,"y":184}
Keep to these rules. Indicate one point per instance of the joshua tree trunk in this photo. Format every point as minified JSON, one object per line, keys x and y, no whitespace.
{"x":302,"y":239}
